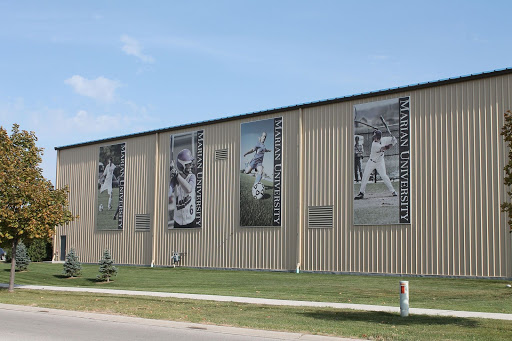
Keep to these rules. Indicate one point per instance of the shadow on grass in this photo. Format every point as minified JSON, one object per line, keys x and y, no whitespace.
{"x":92,"y":280}
{"x":60,"y":276}
{"x":99,"y":281}
{"x":390,"y":318}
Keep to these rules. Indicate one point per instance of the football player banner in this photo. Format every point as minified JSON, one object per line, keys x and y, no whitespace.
{"x":260,"y":173}
{"x":381,"y":162}
{"x":111,"y":187}
{"x":186,"y":180}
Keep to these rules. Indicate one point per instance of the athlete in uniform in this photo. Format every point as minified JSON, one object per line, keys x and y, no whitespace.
{"x":183,"y":187}
{"x":107,"y":176}
{"x":257,"y":160}
{"x":376,"y":161}
{"x":358,"y":156}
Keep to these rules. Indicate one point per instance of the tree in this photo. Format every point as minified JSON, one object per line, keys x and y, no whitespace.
{"x":107,"y":268}
{"x":37,"y":250}
{"x":22,"y":259}
{"x":506,"y":132}
{"x":30,"y":207}
{"x":72,"y":266}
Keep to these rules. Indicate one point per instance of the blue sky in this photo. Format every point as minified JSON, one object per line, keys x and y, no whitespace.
{"x":79,"y":71}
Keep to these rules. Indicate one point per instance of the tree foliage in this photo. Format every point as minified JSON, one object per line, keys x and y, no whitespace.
{"x":72,"y":266}
{"x":506,"y":132}
{"x":37,"y":250}
{"x":22,"y":259}
{"x":30,"y":207}
{"x":107,"y":268}
{"x":8,"y":254}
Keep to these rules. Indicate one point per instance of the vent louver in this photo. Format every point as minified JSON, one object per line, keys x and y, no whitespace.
{"x":221,"y":154}
{"x":142,"y":222}
{"x":320,"y":216}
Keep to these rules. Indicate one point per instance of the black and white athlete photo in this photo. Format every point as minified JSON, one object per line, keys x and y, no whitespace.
{"x":381,"y":182}
{"x":185,"y":180}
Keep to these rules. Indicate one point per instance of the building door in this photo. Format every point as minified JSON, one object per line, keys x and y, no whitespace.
{"x":62,"y":247}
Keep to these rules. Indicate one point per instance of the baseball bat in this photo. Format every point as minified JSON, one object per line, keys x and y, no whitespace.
{"x":366,"y":124}
{"x":386,"y":125}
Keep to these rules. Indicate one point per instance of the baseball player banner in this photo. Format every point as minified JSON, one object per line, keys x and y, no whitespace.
{"x":185,"y":208}
{"x":111,"y":187}
{"x":381,"y":162}
{"x":261,"y":173}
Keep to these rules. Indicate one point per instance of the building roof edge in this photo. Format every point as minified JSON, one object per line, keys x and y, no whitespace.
{"x":412,"y":87}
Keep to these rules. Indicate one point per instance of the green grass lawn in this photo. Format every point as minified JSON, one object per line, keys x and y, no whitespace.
{"x":436,"y":293}
{"x":323,"y":321}
{"x":440,"y":293}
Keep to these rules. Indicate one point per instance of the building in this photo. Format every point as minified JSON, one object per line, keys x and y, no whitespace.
{"x":275,"y":190}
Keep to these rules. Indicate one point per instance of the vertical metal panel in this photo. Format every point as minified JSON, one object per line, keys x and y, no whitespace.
{"x":457,"y":159}
{"x":78,"y":168}
{"x":456,"y":185}
{"x":221,"y":242}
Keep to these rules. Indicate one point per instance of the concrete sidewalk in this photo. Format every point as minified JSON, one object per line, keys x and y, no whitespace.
{"x":267,"y":301}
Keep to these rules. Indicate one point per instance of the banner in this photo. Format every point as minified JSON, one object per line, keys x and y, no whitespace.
{"x":261,"y":173}
{"x":111,"y":168}
{"x":186,"y":180}
{"x":381,"y":162}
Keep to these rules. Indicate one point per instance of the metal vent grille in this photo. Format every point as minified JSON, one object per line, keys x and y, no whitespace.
{"x":142,"y":222}
{"x":320,"y":216}
{"x":221,"y":154}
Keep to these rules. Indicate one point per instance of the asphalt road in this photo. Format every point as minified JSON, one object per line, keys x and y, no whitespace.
{"x":32,"y":323}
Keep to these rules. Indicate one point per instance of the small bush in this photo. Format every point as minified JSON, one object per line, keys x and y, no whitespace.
{"x":107,"y":268}
{"x":22,"y":259}
{"x":72,"y":266}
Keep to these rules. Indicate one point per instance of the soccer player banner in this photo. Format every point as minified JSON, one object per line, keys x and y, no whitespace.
{"x":186,"y":180}
{"x":111,"y":187}
{"x":381,"y":162}
{"x":260,"y":173}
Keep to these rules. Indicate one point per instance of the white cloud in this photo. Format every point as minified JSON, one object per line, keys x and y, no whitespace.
{"x":132,"y":47}
{"x":77,"y":127}
{"x":101,"y":88}
{"x":84,"y":123}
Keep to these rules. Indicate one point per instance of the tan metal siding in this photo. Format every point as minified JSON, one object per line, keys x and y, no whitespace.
{"x":221,"y":242}
{"x":457,"y":164}
{"x":78,"y":168}
{"x":456,"y":187}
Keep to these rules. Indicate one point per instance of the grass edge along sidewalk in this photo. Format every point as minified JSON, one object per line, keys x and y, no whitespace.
{"x":307,"y":320}
{"x":209,"y":329}
{"x":478,"y":295}
{"x":277,"y":302}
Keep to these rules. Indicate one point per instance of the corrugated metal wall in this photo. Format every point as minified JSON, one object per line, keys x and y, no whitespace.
{"x":456,"y":190}
{"x":221,"y":242}
{"x":78,"y":168}
{"x":456,"y":187}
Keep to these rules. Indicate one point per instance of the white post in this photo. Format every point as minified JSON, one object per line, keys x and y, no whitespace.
{"x":404,"y":298}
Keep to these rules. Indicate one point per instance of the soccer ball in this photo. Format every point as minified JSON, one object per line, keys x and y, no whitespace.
{"x":258,"y":190}
{"x":101,"y":208}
